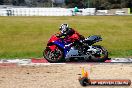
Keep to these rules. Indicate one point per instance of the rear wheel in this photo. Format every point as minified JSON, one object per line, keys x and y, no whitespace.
{"x":101,"y":55}
{"x":53,"y":56}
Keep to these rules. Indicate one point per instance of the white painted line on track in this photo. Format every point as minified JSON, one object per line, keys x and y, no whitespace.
{"x":41,"y":64}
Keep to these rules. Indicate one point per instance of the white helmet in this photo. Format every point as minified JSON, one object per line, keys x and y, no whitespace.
{"x":64,"y":28}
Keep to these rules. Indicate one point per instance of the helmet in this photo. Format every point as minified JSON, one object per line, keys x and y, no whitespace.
{"x":64,"y":28}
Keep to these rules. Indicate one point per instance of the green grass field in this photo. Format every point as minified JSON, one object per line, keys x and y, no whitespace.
{"x":26,"y":37}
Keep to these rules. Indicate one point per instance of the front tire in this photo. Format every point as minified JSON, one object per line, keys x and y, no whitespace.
{"x":53,"y":56}
{"x":102,"y":57}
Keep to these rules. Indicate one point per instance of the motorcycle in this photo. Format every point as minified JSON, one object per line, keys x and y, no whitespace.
{"x":58,"y":50}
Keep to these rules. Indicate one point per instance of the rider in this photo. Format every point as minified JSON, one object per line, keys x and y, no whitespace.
{"x":69,"y":33}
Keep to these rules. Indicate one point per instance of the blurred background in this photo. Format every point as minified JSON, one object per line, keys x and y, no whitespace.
{"x":98,"y":4}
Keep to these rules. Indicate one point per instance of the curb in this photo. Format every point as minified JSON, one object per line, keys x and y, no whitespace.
{"x":42,"y":62}
{"x":8,"y":64}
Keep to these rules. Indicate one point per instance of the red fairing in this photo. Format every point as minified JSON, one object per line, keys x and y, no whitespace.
{"x":52,"y":48}
{"x":53,"y":38}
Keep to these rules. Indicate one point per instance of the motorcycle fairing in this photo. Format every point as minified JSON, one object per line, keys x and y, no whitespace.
{"x":72,"y":53}
{"x":68,"y":51}
{"x":52,"y":47}
{"x":63,"y":46}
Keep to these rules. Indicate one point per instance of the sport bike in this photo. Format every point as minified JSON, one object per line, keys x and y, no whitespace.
{"x":59,"y":49}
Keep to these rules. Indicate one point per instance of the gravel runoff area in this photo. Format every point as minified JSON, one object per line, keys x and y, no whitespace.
{"x":61,"y":75}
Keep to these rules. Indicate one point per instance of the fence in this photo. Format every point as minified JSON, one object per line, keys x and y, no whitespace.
{"x":43,"y":11}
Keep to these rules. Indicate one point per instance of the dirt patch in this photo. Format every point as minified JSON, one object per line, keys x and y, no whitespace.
{"x":61,"y":76}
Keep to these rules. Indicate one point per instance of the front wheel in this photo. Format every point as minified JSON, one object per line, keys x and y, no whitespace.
{"x":101,"y":55}
{"x":53,"y":56}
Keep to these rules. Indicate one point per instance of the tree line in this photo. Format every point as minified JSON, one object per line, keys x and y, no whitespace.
{"x":98,"y":4}
{"x":29,"y":3}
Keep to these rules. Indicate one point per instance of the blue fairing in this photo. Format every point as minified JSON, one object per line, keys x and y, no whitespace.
{"x":62,"y":45}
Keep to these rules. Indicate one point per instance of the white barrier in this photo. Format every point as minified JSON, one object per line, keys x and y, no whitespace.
{"x":43,"y":12}
{"x":88,"y":11}
{"x":3,"y":12}
{"x":40,"y":12}
{"x":102,"y":11}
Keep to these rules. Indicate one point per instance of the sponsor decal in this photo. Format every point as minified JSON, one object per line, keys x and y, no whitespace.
{"x":86,"y":81}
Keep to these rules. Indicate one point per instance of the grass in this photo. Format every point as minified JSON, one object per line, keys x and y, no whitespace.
{"x":26,"y":37}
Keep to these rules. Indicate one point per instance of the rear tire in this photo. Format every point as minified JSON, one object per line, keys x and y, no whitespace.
{"x":53,"y":56}
{"x":102,"y":57}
